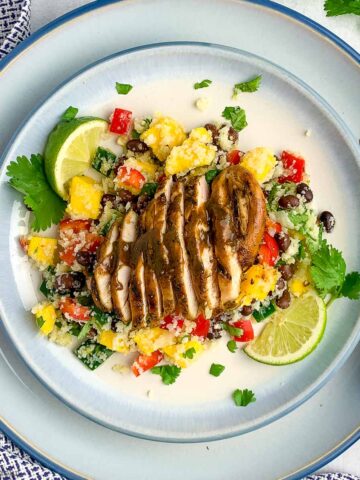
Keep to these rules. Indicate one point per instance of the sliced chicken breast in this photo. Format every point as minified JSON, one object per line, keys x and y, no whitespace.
{"x":178,"y":257}
{"x":137,"y":295}
{"x":121,"y":276}
{"x":198,"y":244}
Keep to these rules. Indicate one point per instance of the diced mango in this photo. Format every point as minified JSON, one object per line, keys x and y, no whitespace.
{"x":260,"y":162}
{"x":45,"y":317}
{"x":42,"y":250}
{"x":85,"y":197}
{"x":258,"y":281}
{"x":195,"y":152}
{"x":300,"y":282}
{"x":164,"y":134}
{"x":177,"y":353}
{"x":150,"y":339}
{"x":113,"y":341}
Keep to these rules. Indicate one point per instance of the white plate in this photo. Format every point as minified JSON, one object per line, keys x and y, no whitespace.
{"x":246,"y":12}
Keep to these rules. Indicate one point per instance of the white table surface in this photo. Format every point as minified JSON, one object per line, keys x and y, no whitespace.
{"x":346,"y":27}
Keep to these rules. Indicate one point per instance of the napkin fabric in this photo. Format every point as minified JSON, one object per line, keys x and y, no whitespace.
{"x":14,"y":463}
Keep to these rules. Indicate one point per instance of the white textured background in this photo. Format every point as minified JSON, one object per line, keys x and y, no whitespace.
{"x":346,"y":27}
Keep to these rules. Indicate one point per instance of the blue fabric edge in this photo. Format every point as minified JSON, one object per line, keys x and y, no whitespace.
{"x":93,"y":6}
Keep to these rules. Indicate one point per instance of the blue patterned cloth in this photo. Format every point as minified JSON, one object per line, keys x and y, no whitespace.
{"x":14,"y":463}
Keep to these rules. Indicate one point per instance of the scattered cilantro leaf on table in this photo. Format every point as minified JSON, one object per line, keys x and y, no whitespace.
{"x":202,"y":84}
{"x":242,"y":398}
{"x":168,"y":373}
{"x":123,"y":88}
{"x":250,"y":86}
{"x":216,"y":369}
{"x":341,"y":7}
{"x":28,"y":177}
{"x":237,"y":117}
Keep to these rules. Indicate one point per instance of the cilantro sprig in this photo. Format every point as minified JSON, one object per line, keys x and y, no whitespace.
{"x":250,"y":86}
{"x":328,"y":272}
{"x":203,"y":84}
{"x":341,"y":7}
{"x":168,"y":373}
{"x":28,"y":177}
{"x":123,"y":88}
{"x":242,"y":398}
{"x":237,"y":117}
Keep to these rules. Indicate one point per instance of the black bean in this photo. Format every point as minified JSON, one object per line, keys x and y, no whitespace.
{"x":281,"y":284}
{"x":328,"y":220}
{"x":108,"y":197}
{"x":283,"y":240}
{"x":141,"y":203}
{"x":214,"y":132}
{"x":246,"y":310}
{"x":86,"y":259}
{"x":69,"y":282}
{"x":304,"y":190}
{"x":284,"y":301}
{"x":286,"y":271}
{"x":233,"y":135}
{"x":122,"y":197}
{"x":289,"y":201}
{"x":137,"y":146}
{"x":113,"y":324}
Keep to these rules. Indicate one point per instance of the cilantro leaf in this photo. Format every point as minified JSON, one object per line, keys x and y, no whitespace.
{"x":233,"y":331}
{"x":149,"y":189}
{"x":211,"y":174}
{"x":328,"y":269}
{"x":216,"y":369}
{"x":242,"y":398}
{"x":85,"y":330}
{"x":351,"y":286}
{"x":28,"y":177}
{"x":123,"y":88}
{"x":40,"y":321}
{"x":298,"y":218}
{"x":231,"y":345}
{"x":237,"y":117}
{"x":189,"y":353}
{"x":168,"y":373}
{"x":202,"y":84}
{"x":250,"y":86}
{"x":69,"y":114}
{"x":341,"y":7}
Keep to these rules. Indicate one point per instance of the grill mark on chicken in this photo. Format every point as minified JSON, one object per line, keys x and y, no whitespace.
{"x":179,"y":263}
{"x":198,"y":244}
{"x":121,"y":276}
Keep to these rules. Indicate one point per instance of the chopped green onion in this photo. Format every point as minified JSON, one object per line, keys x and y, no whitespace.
{"x":263,"y":312}
{"x":231,"y":345}
{"x":85,"y":330}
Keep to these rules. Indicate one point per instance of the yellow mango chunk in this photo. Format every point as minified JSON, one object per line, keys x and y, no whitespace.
{"x":258,"y":281}
{"x":164,"y":134}
{"x":146,"y":167}
{"x":45,"y":317}
{"x":150,"y":339}
{"x":176,"y":353}
{"x":195,"y":152}
{"x":113,"y":341}
{"x":85,"y":197}
{"x":42,"y":250}
{"x":300,"y":282}
{"x":260,"y":162}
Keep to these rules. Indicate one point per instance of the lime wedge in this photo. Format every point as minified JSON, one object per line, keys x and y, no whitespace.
{"x":70,"y":148}
{"x":290,"y":335}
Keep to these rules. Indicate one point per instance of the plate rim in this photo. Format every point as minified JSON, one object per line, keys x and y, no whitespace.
{"x":347,"y":49}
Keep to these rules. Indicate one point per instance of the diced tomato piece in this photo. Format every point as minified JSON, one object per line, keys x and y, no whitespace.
{"x":269,"y":250}
{"x":131,"y":178}
{"x":145,"y":362}
{"x":74,"y":226}
{"x":172,"y":322}
{"x":202,"y":326}
{"x":24,"y":243}
{"x":121,"y":121}
{"x":247,"y":328}
{"x":272,"y":226}
{"x":92,"y":242}
{"x":295,"y":166}
{"x":234,"y":157}
{"x":72,"y":309}
{"x":69,"y":231}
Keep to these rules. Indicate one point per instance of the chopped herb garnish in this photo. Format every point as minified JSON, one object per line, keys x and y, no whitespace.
{"x":28,"y":177}
{"x":58,"y":324}
{"x":104,"y":161}
{"x":237,"y":117}
{"x":250,"y":86}
{"x":263,"y":312}
{"x":92,"y":354}
{"x":168,"y":373}
{"x":45,"y":290}
{"x":232,"y":346}
{"x":85,"y":330}
{"x":341,"y":7}
{"x":216,"y":369}
{"x":40,"y":321}
{"x":149,"y":189}
{"x":123,"y":88}
{"x":135,"y":135}
{"x":75,"y":329}
{"x":211,"y":174}
{"x":242,"y":398}
{"x":69,"y":114}
{"x":202,"y":84}
{"x":233,"y":331}
{"x":189,"y":353}
{"x":85,"y":300}
{"x":100,"y":317}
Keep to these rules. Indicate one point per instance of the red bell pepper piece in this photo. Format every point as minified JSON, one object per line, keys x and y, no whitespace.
{"x":71,"y":309}
{"x":295,"y":166}
{"x":120,"y":121}
{"x":69,"y":231}
{"x":272,"y":226}
{"x":145,"y":362}
{"x":130,"y":178}
{"x":269,"y":250}
{"x":247,"y":328}
{"x":202,"y":326}
{"x":172,"y":322}
{"x":234,"y":157}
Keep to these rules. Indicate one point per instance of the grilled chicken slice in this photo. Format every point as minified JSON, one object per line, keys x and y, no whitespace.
{"x":137,"y":295}
{"x":104,"y":268}
{"x":225,"y":241}
{"x":178,"y":258}
{"x":121,"y":276}
{"x":249,"y":207}
{"x":198,"y":244}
